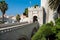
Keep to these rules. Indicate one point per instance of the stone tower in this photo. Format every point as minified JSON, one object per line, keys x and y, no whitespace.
{"x":35,"y":12}
{"x":49,"y":12}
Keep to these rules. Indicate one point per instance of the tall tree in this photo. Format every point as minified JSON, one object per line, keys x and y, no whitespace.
{"x":55,"y":4}
{"x":18,"y":18}
{"x":26,"y":12}
{"x":3,"y":8}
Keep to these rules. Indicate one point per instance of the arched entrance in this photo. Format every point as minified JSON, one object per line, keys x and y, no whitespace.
{"x":35,"y":18}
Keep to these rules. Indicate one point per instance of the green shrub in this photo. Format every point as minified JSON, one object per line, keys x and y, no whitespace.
{"x":57,"y":21}
{"x":48,"y":31}
{"x":45,"y":31}
{"x":58,"y":36}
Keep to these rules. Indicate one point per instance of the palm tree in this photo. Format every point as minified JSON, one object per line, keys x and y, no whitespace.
{"x":3,"y":8}
{"x":55,"y":4}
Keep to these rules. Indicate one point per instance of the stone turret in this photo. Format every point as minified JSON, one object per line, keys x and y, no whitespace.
{"x":49,"y":12}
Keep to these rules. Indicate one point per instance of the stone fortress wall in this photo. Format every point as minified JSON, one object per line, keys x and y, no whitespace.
{"x":44,"y":13}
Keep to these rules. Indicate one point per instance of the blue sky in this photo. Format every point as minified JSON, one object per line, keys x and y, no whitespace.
{"x":18,"y":6}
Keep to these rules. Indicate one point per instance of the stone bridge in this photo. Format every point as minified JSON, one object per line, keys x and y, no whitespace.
{"x":18,"y":31}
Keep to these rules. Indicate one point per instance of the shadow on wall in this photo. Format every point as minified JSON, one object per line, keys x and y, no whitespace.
{"x":44,"y":16}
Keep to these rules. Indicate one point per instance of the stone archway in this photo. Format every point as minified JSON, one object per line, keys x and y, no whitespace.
{"x":35,"y":18}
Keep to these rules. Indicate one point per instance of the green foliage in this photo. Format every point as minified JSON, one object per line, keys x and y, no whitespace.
{"x":18,"y":17}
{"x":50,"y":24}
{"x":58,"y":29}
{"x":26,"y":12}
{"x":43,"y":38}
{"x":43,"y":31}
{"x":35,"y":6}
{"x":58,"y":35}
{"x":47,"y":30}
{"x":53,"y":29}
{"x":3,"y":8}
{"x":57,"y":21}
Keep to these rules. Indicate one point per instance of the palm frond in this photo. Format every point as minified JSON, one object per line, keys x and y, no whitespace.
{"x":3,"y":6}
{"x":54,"y":4}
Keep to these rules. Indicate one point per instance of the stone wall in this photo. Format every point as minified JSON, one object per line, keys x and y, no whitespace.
{"x":38,"y":11}
{"x":49,"y":12}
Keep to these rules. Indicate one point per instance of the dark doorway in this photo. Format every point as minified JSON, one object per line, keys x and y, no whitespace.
{"x":35,"y":19}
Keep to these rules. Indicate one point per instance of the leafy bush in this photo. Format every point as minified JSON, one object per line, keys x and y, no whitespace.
{"x":58,"y":36}
{"x":48,"y":31}
{"x":57,"y":21}
{"x":44,"y":31}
